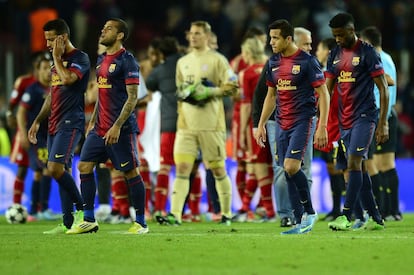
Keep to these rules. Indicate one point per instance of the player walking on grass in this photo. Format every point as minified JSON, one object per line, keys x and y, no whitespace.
{"x":203,"y":77}
{"x":30,"y":105}
{"x":355,"y":66}
{"x":64,"y":108}
{"x":387,"y":181}
{"x":293,"y":76}
{"x":113,"y":128}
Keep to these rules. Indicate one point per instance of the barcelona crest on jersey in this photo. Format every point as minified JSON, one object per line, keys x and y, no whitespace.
{"x":296,"y":69}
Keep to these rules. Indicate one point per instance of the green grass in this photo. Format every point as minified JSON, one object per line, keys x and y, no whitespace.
{"x":207,"y":248}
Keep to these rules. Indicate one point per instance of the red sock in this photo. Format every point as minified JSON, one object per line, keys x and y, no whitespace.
{"x":145,"y":174}
{"x":161,"y":192}
{"x":18,"y":190}
{"x":266,"y":196}
{"x":251,"y":186}
{"x":195,"y":195}
{"x":241,"y":181}
{"x":120,"y":202}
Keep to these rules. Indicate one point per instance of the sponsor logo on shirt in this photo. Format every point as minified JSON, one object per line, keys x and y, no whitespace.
{"x":345,"y":76}
{"x":56,"y":81}
{"x":103,"y":83}
{"x":285,"y":84}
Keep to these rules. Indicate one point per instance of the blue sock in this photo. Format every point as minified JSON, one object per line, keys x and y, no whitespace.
{"x":359,"y":209}
{"x":88,"y":188}
{"x":67,"y":207}
{"x":352,"y":192}
{"x":66,"y":181}
{"x":45,"y":187}
{"x":368,"y":198}
{"x":137,"y":197}
{"x":301,"y":183}
{"x":294,"y":198}
{"x":35,"y":199}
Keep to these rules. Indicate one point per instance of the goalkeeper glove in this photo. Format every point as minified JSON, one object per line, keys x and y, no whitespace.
{"x":202,"y":92}
{"x":185,"y":91}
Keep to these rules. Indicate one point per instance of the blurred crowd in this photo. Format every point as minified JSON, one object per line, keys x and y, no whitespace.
{"x":21,"y":31}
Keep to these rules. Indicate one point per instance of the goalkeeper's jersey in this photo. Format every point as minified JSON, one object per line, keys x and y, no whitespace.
{"x":192,"y":68}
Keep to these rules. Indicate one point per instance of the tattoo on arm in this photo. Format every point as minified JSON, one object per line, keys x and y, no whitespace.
{"x":129,"y":105}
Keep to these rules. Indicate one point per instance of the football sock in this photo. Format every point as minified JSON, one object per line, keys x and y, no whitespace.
{"x":359,"y":209}
{"x":67,"y":207}
{"x":103,"y":177}
{"x":120,"y":197}
{"x":301,"y":182}
{"x":195,"y":195}
{"x":248,"y":193}
{"x":368,"y":200}
{"x":161,"y":191}
{"x":352,"y":192}
{"x":212,"y":191}
{"x":297,"y":207}
{"x":180,"y":190}
{"x":66,"y":181}
{"x":18,"y":190}
{"x":377,"y":185}
{"x":137,"y":197}
{"x":266,"y":196}
{"x":88,"y":189}
{"x":223,"y":186}
{"x":35,"y":192}
{"x":393,"y":185}
{"x":337,"y":185}
{"x":241,"y":180}
{"x":45,"y":188}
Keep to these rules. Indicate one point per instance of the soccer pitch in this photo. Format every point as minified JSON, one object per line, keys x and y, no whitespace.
{"x":207,"y":248}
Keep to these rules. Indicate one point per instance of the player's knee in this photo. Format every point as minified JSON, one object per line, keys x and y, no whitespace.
{"x":291,"y":169}
{"x":184,"y":168}
{"x":85,"y":167}
{"x":55,"y":169}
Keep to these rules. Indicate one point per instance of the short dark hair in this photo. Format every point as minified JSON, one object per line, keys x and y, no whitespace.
{"x":329,"y":43}
{"x":168,"y":46}
{"x":58,"y":25}
{"x":341,"y":20}
{"x":372,"y":35}
{"x":252,"y":32}
{"x":122,"y":26}
{"x":286,"y":29}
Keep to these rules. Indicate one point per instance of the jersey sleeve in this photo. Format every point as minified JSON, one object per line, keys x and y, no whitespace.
{"x":131,"y":70}
{"x":315,"y":76}
{"x":268,"y":71}
{"x":374,"y":63}
{"x":80,"y":65}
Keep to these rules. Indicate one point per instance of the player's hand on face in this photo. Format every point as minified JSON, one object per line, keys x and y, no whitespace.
{"x":112,"y":136}
{"x":58,"y":46}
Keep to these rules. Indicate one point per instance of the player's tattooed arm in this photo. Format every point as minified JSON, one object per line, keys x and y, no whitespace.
{"x":129,"y":105}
